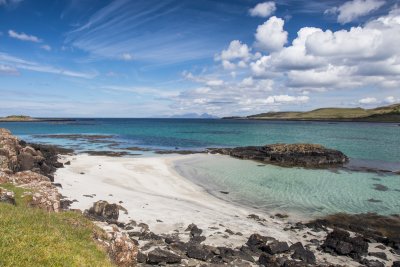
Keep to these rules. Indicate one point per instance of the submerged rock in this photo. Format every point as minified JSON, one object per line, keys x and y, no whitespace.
{"x":303,"y":155}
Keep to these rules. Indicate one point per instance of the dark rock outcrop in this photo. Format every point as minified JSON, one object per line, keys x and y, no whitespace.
{"x":383,"y":229}
{"x":256,"y":241}
{"x":270,"y":261}
{"x":380,"y":255}
{"x":50,"y":163}
{"x":303,"y":155}
{"x":300,"y":253}
{"x":340,"y":242}
{"x":372,"y":263}
{"x":275,"y":247}
{"x":158,"y":255}
{"x":199,"y":252}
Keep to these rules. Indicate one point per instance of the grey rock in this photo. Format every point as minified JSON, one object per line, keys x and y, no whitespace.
{"x":199,"y":252}
{"x":141,"y":257}
{"x":340,"y":242}
{"x":372,"y":263}
{"x":275,"y":247}
{"x":300,"y":253}
{"x":102,"y":210}
{"x":381,"y":255}
{"x":7,"y":196}
{"x":158,"y":255}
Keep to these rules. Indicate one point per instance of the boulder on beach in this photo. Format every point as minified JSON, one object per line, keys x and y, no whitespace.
{"x":341,"y":243}
{"x":158,"y":255}
{"x":103,"y":211}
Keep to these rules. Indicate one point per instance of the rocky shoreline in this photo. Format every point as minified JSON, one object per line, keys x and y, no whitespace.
{"x":188,"y":248}
{"x":376,"y":242}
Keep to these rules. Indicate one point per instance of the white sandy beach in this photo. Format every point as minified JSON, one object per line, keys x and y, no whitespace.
{"x":153,"y":193}
{"x":151,"y":190}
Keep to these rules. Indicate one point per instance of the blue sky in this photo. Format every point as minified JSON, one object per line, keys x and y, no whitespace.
{"x":121,"y":58}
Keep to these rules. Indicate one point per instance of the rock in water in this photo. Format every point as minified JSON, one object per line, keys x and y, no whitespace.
{"x":302,"y":155}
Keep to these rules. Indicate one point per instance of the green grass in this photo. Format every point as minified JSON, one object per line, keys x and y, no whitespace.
{"x":33,"y":237}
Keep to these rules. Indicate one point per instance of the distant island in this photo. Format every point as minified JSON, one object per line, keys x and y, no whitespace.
{"x":24,"y":118}
{"x":380,"y":114}
{"x":194,"y":116}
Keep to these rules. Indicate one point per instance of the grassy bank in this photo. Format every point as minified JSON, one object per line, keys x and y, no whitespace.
{"x":33,"y":237}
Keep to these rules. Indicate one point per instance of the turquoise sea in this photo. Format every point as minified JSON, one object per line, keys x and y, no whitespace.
{"x":270,"y":188}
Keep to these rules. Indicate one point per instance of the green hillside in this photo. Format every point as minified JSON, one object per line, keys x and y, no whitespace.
{"x":387,"y":113}
{"x":34,"y":237}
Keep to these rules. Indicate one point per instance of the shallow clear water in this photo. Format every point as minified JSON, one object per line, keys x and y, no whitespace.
{"x":311,"y":192}
{"x":300,"y":191}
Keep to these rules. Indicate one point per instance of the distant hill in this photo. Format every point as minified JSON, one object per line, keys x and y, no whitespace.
{"x":381,"y":114}
{"x":194,"y":116}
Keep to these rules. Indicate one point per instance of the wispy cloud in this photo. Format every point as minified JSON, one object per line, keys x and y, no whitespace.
{"x":46,"y":47}
{"x":10,"y":2}
{"x":155,"y":92}
{"x":24,"y":37}
{"x":18,"y":63}
{"x":8,"y":70}
{"x":148,"y":30}
{"x":127,"y":56}
{"x":352,"y":10}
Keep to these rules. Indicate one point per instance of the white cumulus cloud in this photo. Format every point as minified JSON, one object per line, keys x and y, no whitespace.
{"x":391,"y":100}
{"x":263,"y":9}
{"x":236,"y":50}
{"x":368,"y":100}
{"x":270,"y":36}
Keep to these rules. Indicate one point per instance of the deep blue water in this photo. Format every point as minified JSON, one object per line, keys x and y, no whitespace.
{"x":371,"y":141}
